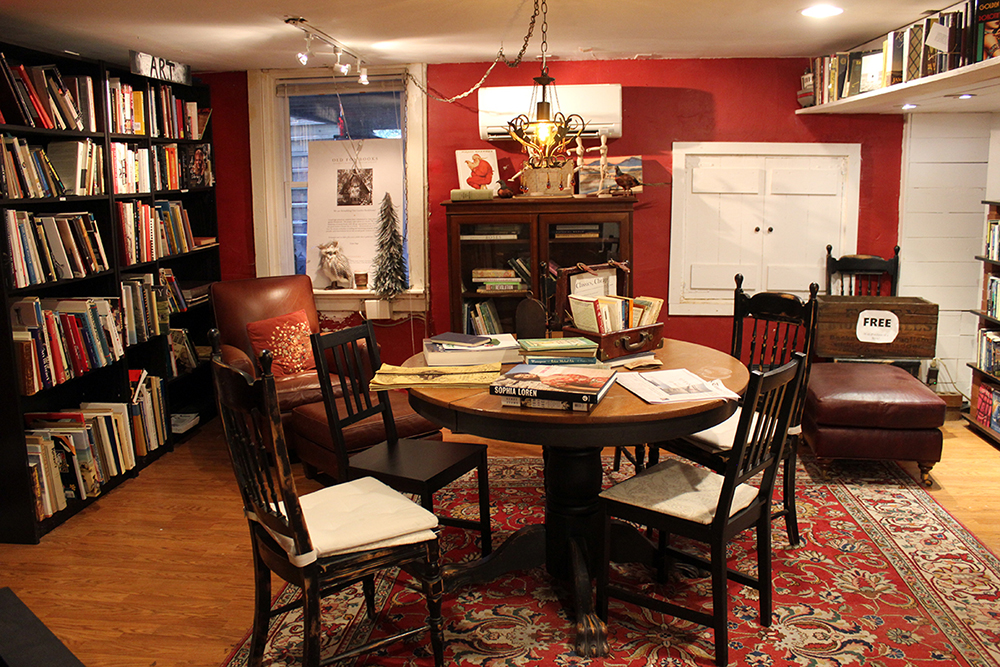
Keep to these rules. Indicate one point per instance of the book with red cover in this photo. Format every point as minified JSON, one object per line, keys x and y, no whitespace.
{"x":575,"y":384}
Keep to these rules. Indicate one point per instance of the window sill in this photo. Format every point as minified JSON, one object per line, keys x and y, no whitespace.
{"x":353,"y":300}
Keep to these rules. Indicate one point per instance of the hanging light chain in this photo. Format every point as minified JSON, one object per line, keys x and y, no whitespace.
{"x":545,"y":36}
{"x":540,"y":7}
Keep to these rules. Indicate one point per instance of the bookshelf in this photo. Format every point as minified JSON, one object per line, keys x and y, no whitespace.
{"x":100,"y":249}
{"x":985,"y":395}
{"x":537,"y":232}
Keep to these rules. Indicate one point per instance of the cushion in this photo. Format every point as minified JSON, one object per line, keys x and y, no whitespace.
{"x":893,"y":444}
{"x":677,"y":489}
{"x":359,"y":515}
{"x":871,"y":395}
{"x":287,"y":337}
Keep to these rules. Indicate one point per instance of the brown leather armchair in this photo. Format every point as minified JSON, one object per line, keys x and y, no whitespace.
{"x":238,"y":303}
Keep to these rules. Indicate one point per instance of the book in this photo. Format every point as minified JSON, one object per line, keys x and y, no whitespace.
{"x":502,"y":348}
{"x":984,"y":405}
{"x":196,"y":165}
{"x":576,"y":384}
{"x":545,"y":404}
{"x":464,"y":340}
{"x":565,"y":346}
{"x":478,"y":274}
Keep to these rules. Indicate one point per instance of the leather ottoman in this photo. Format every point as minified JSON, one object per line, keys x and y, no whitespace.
{"x":872,"y":411}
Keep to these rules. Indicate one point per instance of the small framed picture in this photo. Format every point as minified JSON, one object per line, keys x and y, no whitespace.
{"x":477,"y":169}
{"x":590,"y":174}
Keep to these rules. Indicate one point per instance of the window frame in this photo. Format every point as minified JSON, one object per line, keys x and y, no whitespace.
{"x":270,"y":167}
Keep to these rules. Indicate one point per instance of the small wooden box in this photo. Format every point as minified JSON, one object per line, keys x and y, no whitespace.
{"x":624,"y":342}
{"x":876,"y":327}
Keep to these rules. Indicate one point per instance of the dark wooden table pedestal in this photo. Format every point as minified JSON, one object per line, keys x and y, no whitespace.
{"x":569,"y":541}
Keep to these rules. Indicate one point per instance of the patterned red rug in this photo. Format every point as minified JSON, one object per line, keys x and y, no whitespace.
{"x":885,"y":578}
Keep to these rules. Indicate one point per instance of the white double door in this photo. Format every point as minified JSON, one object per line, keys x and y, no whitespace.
{"x":767,"y":211}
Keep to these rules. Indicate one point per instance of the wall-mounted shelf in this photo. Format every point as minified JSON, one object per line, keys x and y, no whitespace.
{"x":931,"y":94}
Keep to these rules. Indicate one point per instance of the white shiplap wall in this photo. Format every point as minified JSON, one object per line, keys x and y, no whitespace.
{"x":945,"y":159}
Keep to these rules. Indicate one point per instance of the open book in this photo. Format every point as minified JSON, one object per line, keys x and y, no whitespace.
{"x":674,"y":385}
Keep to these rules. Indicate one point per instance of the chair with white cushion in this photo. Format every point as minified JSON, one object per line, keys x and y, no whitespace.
{"x":324,"y":541}
{"x":768,"y":328}
{"x":677,"y":498}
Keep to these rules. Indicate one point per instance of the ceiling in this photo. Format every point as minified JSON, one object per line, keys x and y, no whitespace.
{"x":226,"y":35}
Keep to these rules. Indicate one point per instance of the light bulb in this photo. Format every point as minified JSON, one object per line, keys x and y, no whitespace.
{"x":345,"y":68}
{"x":363,"y":76}
{"x":543,"y":132}
{"x":303,"y":57}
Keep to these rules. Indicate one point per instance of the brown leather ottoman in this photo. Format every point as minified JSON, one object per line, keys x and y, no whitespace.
{"x":872,"y":411}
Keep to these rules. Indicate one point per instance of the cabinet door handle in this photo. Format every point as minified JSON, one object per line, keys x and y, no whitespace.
{"x":756,"y":229}
{"x":770,"y":229}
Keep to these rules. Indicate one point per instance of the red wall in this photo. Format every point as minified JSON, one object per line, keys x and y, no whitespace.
{"x":230,"y":125}
{"x":664,"y":101}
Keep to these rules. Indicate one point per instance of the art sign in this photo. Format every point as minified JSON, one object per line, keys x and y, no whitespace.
{"x":159,"y":68}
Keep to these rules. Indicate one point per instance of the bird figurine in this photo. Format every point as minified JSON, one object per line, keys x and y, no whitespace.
{"x":504,"y":192}
{"x":626,"y":181}
{"x":334,"y":265}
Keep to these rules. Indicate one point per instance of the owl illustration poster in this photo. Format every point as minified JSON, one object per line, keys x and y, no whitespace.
{"x":347,"y":181}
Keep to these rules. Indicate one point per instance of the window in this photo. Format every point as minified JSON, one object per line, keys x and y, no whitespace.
{"x":297,"y":107}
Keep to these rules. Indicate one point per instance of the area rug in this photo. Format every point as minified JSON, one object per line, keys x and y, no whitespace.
{"x":885,"y":577}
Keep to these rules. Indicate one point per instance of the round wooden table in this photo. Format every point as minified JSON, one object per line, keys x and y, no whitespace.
{"x":569,"y":542}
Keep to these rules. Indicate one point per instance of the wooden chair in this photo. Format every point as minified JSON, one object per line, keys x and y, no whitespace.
{"x":326,"y":540}
{"x":862,"y":275}
{"x":422,"y":467}
{"x":681,"y":499}
{"x":768,"y":328}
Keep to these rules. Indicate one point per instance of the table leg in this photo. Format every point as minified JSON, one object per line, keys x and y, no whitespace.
{"x":523,"y":550}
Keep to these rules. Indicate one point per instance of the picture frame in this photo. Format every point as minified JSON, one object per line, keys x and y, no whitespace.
{"x":477,"y":169}
{"x":590,"y":174}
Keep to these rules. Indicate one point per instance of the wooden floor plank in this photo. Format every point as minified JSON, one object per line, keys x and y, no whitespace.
{"x":158,"y":572}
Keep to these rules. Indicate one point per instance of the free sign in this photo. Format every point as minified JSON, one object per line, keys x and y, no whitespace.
{"x":877,"y":326}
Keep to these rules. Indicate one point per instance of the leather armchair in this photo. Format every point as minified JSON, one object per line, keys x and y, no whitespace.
{"x":237,"y":303}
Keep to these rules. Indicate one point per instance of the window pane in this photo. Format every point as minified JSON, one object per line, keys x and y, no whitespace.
{"x":375,"y":115}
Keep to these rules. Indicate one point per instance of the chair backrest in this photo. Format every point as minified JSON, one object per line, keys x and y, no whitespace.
{"x":530,"y":319}
{"x":761,"y":433}
{"x":768,"y":327}
{"x":248,"y":409}
{"x":237,"y":303}
{"x":862,"y":275}
{"x":352,"y":355}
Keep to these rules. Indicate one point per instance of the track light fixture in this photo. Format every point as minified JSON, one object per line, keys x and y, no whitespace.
{"x":312,"y":32}
{"x":363,"y":75}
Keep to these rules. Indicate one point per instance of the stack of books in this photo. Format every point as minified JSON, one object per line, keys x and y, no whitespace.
{"x":605,"y":314}
{"x":454,"y":349}
{"x":497,"y":280}
{"x":548,"y":387}
{"x":558,"y":351}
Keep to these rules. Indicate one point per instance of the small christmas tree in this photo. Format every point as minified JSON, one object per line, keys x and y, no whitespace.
{"x":389,"y":266}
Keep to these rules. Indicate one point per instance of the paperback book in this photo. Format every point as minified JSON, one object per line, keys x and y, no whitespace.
{"x":574,"y":384}
{"x":502,"y":348}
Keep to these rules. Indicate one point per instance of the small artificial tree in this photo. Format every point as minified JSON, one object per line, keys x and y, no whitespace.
{"x":389,"y":266}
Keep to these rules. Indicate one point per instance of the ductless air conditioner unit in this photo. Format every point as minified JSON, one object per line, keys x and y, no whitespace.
{"x":600,"y":106}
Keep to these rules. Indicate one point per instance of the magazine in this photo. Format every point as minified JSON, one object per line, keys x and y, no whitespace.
{"x":674,"y":385}
{"x":399,"y":377}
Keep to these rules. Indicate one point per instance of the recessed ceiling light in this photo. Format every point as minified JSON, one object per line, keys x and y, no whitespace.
{"x":961,"y":96}
{"x":822,"y":11}
{"x":907,"y":107}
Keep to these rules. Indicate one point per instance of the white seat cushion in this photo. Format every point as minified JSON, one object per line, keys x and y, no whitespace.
{"x":677,"y":489}
{"x":720,"y":437}
{"x":359,"y":515}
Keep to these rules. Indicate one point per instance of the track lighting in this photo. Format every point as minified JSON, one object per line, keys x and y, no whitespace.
{"x":303,"y":56}
{"x":343,"y":67}
{"x":363,"y":75}
{"x":311,"y":32}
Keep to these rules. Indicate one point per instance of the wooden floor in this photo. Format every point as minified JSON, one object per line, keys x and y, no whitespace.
{"x":158,"y":572}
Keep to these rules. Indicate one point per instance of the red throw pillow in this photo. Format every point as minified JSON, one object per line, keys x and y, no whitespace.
{"x":287,"y":337}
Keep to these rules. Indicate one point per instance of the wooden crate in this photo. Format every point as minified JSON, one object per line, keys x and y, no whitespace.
{"x":862,"y":326}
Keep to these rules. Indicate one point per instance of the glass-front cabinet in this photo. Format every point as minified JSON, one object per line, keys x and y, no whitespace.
{"x":503,"y":250}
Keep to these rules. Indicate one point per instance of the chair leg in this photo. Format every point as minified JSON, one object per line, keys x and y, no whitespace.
{"x":485,"y":525}
{"x":654,"y":455}
{"x":720,"y":603}
{"x":311,"y":625}
{"x":661,"y":554}
{"x":368,"y":587}
{"x":262,"y":609}
{"x":788,"y":493}
{"x":434,"y":591}
{"x":640,"y":457}
{"x":764,"y":569}
{"x":618,"y":459}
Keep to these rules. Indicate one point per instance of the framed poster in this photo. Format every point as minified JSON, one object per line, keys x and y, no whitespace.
{"x":347,"y":182}
{"x":477,"y":169}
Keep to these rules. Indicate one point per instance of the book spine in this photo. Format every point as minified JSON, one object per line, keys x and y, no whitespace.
{"x":545,"y":404}
{"x":547,"y":394}
{"x":558,"y":360}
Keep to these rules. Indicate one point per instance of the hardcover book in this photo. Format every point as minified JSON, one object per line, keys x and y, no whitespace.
{"x":575,"y":384}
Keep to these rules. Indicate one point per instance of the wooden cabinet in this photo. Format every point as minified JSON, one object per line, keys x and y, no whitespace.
{"x":120,"y":162}
{"x":539,"y":235}
{"x":985,"y":395}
